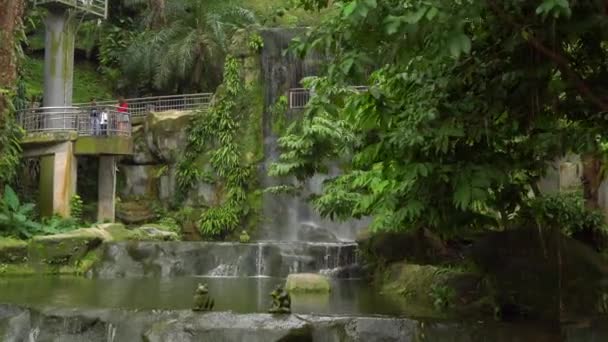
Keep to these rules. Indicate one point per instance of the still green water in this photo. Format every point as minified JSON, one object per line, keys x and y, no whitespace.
{"x":243,"y":295}
{"x":248,"y":295}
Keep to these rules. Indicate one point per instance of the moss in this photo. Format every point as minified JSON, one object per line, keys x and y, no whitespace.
{"x":307,"y":283}
{"x":65,"y":249}
{"x":17,"y":269}
{"x":103,"y":145}
{"x":12,"y":250}
{"x":45,"y":191}
{"x":87,"y":81}
{"x":43,"y":138}
{"x":118,"y":232}
{"x":88,"y":261}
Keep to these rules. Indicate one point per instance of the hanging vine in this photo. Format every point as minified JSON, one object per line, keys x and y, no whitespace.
{"x":212,"y":141}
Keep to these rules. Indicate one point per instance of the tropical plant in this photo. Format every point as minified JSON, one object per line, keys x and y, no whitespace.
{"x":76,"y":208}
{"x":188,"y":49}
{"x":467,"y":102}
{"x":15,"y":217}
{"x":213,"y":143}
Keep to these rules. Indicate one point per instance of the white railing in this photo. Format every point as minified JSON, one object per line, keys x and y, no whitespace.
{"x":299,"y":97}
{"x":140,"y":107}
{"x":102,"y":120}
{"x":95,"y":7}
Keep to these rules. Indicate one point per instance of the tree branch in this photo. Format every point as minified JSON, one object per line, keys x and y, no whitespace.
{"x":562,"y":62}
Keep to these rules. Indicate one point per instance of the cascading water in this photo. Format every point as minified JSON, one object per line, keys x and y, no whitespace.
{"x":287,"y":216}
{"x":111,"y":333}
{"x":33,"y":334}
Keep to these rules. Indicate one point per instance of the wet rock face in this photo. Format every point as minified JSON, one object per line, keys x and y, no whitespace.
{"x":166,"y":134}
{"x":224,"y":259}
{"x":309,"y":232}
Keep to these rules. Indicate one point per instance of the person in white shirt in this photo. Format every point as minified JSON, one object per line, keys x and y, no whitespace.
{"x":104,"y":122}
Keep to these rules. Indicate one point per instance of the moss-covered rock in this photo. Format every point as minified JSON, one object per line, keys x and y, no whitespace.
{"x":135,"y":212}
{"x":66,"y":248}
{"x":13,"y":250}
{"x":155,"y":232}
{"x":166,"y":134}
{"x":543,"y":273}
{"x":306,"y":283}
{"x":138,"y":180}
{"x":436,"y":291}
{"x":142,"y":155}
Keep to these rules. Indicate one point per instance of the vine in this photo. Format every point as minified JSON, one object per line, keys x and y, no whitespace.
{"x":212,"y":139}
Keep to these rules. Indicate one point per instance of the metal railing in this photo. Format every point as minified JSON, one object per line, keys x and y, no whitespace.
{"x":101,"y":120}
{"x":140,"y":107}
{"x":299,"y":97}
{"x":95,"y":7}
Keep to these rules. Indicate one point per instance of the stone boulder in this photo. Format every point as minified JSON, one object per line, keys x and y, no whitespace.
{"x":139,"y":180}
{"x":12,"y":250}
{"x":155,"y":232}
{"x":142,"y":155}
{"x":307,"y":282}
{"x":314,"y":233}
{"x":543,"y":273}
{"x":166,"y":134}
{"x":135,"y":212}
{"x":67,"y":247}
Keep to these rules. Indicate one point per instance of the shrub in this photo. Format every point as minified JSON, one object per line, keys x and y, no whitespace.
{"x":566,"y":211}
{"x":15,"y":217}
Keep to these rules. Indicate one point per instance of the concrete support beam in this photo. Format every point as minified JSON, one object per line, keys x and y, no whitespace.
{"x":107,"y":189}
{"x":59,"y":57}
{"x":57,"y":181}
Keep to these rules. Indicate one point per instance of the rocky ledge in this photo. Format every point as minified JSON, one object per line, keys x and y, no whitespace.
{"x":113,"y":325}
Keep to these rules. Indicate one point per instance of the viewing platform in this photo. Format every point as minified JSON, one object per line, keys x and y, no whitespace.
{"x":108,"y":133}
{"x":58,"y":136}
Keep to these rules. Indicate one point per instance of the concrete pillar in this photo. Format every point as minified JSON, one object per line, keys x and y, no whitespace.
{"x":59,"y":58}
{"x":57,"y":181}
{"x":107,"y":188}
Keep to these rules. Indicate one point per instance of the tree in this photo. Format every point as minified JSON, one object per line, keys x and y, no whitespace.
{"x":10,"y":26}
{"x":10,"y":35}
{"x":467,"y":102}
{"x":185,"y":44}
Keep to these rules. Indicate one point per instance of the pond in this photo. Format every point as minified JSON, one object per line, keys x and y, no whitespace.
{"x":249,"y":295}
{"x":237,"y":294}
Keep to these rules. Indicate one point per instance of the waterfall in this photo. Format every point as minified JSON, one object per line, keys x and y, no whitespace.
{"x":111,"y":333}
{"x":33,"y":335}
{"x":224,"y":270}
{"x":260,"y":260}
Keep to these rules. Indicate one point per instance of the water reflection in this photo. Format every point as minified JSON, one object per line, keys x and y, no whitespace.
{"x":246,"y":295}
{"x":243,"y":295}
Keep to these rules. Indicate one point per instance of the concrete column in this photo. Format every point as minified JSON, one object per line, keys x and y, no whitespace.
{"x":58,"y":62}
{"x":57,"y":181}
{"x":107,"y":188}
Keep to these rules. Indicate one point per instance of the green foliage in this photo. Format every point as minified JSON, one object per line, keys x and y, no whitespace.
{"x":213,"y":135}
{"x":10,"y":148}
{"x":170,"y":223}
{"x":442,"y":296}
{"x":565,"y":211}
{"x":193,"y":38}
{"x":278,"y":111}
{"x":255,"y":42}
{"x":15,"y":217}
{"x":57,"y":224}
{"x":87,"y":81}
{"x":464,"y":108}
{"x":76,"y":208}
